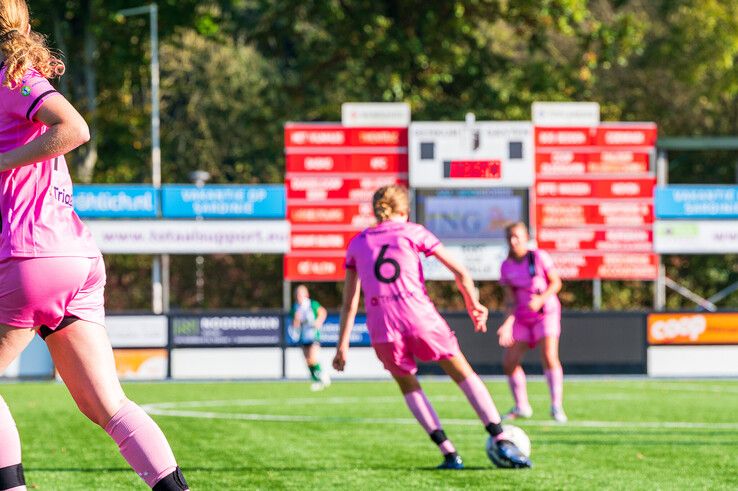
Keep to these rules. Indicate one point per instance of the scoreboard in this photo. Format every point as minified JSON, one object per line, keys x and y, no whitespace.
{"x":592,"y":203}
{"x":471,"y":155}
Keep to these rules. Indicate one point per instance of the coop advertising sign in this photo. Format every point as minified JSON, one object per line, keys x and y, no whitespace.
{"x":190,"y":236}
{"x":696,"y":237}
{"x":227,"y":330}
{"x":697,"y":202}
{"x":226,"y":201}
{"x":682,"y":328}
{"x":116,"y":201}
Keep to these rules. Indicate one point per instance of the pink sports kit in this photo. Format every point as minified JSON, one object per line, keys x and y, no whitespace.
{"x":50,"y":266}
{"x":527,"y":277}
{"x":402,"y":321}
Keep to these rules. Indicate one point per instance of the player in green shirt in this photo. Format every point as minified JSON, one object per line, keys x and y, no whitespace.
{"x":308,"y":317}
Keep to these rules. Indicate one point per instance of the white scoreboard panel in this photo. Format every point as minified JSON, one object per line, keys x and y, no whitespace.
{"x":471,"y":155}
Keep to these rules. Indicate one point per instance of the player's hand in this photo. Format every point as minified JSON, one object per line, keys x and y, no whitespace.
{"x":339,"y":361}
{"x":478,"y":314}
{"x":535,"y":304}
{"x":505,"y":334}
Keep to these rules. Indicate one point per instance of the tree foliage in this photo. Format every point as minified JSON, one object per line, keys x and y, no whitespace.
{"x":234,"y":71}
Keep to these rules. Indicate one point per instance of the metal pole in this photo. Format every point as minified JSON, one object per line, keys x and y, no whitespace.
{"x":286,"y":304}
{"x":659,"y":298}
{"x":157,"y":293}
{"x":165,"y":291}
{"x":597,"y":294}
{"x":659,"y":288}
{"x":158,"y":287}
{"x":155,"y":120}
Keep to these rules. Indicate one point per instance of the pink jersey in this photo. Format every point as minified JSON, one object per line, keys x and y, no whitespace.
{"x":37,"y":216}
{"x":517,"y":275}
{"x":387,"y":260}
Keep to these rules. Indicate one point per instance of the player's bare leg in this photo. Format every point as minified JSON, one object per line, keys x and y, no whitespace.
{"x":320,"y":379}
{"x":554,"y":376}
{"x":516,"y":379}
{"x":476,"y":392}
{"x":12,"y":342}
{"x":423,"y":411}
{"x":84,"y":358}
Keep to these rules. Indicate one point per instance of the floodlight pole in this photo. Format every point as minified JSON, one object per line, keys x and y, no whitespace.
{"x":160,"y":290}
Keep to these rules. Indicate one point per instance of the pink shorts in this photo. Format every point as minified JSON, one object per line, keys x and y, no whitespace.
{"x":532,"y":331}
{"x":43,"y":291}
{"x":398,"y":357}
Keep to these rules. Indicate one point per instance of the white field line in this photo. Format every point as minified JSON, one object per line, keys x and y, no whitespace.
{"x":177,"y":409}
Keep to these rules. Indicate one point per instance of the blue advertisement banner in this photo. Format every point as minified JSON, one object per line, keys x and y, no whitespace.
{"x":329,"y":332}
{"x":697,"y":201}
{"x":223,"y":201}
{"x":226,"y":330}
{"x":116,"y":201}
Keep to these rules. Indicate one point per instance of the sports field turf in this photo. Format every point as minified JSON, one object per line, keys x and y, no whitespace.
{"x":624,"y":434}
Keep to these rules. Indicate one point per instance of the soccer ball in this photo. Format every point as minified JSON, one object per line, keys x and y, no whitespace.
{"x":513,"y":434}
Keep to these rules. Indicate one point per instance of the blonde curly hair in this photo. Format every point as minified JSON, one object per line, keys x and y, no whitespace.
{"x":21,"y":48}
{"x":390,"y":200}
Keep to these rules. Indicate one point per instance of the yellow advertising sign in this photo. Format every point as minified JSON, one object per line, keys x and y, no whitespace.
{"x":683,"y":328}
{"x":141,"y":363}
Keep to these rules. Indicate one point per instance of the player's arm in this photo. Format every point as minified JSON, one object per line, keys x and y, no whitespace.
{"x":464,"y":282}
{"x":351,"y":294}
{"x":67,"y":131}
{"x":554,"y":286}
{"x":322,"y":316}
{"x":504,"y":332}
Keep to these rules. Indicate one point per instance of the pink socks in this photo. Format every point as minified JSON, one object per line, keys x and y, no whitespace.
{"x":481,"y":401}
{"x":555,"y":379}
{"x":421,"y":408}
{"x":10,"y":445}
{"x":519,"y":389}
{"x":141,"y":443}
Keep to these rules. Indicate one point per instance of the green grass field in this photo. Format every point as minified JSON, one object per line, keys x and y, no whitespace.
{"x":624,"y":434}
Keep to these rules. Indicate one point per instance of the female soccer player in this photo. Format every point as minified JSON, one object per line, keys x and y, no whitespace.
{"x":534,"y":315}
{"x":403,"y":322}
{"x":308,"y":317}
{"x":52,"y":274}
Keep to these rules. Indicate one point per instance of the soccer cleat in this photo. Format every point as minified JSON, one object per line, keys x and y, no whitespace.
{"x":317,"y":386}
{"x":451,"y":461}
{"x":518,"y":413}
{"x":558,"y":414}
{"x":511,"y":456}
{"x":325,"y":379}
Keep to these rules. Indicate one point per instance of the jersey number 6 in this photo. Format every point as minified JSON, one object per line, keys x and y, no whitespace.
{"x":381,"y":260}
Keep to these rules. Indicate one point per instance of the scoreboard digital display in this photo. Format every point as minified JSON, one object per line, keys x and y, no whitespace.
{"x":478,"y":169}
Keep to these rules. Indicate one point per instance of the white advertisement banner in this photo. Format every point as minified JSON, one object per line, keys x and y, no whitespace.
{"x":373,"y":114}
{"x":482,"y":261}
{"x":137,"y":331}
{"x":190,"y":236}
{"x":471,"y":155}
{"x":566,"y":113}
{"x":696,"y":237}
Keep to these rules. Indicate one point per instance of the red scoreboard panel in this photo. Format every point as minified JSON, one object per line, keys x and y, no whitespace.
{"x":593,"y":199}
{"x":607,"y":266}
{"x":332,"y":173}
